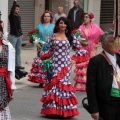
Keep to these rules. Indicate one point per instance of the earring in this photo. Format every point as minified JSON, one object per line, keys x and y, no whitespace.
{"x":66,"y":31}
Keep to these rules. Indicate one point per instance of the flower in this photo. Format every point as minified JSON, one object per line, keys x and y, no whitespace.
{"x":33,"y":35}
{"x":32,"y":31}
{"x":112,"y":26}
{"x":31,"y":40}
{"x":74,"y":31}
{"x":78,"y":35}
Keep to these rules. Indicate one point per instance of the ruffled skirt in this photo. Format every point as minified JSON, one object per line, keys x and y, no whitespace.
{"x":59,"y":98}
{"x":37,"y":73}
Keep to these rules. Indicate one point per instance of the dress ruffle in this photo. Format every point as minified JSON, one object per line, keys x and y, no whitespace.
{"x":60,"y":112}
{"x":81,"y":57}
{"x":59,"y":101}
{"x":56,"y":81}
{"x":37,"y":74}
{"x":56,"y":104}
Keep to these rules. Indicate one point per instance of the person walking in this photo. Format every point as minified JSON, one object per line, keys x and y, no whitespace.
{"x":91,"y":32}
{"x":75,"y":16}
{"x":59,"y":14}
{"x":45,"y":30}
{"x":7,"y":76}
{"x":15,"y":36}
{"x":103,"y":81}
{"x":59,"y":98}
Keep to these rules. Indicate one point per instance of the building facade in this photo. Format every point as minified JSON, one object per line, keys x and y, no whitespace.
{"x":31,"y":10}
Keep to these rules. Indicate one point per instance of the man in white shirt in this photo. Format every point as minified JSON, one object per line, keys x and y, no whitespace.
{"x":103,"y":81}
{"x":59,"y":14}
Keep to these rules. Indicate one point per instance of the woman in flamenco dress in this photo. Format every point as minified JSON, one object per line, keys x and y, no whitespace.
{"x":59,"y":98}
{"x":45,"y":30}
{"x":91,"y":32}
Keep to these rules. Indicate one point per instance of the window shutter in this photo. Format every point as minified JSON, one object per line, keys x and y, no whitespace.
{"x":107,"y":11}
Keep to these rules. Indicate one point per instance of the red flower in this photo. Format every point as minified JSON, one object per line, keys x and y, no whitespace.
{"x":74,"y":31}
{"x":32,"y":31}
{"x":112,"y":25}
{"x":45,"y":56}
{"x":30,"y":40}
{"x":92,"y":15}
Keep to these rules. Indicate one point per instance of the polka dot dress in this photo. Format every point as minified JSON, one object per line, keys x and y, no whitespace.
{"x":59,"y":98}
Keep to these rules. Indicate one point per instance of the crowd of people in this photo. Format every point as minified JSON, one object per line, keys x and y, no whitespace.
{"x":98,"y":75}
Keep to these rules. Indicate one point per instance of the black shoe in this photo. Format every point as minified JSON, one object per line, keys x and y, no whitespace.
{"x":19,"y":67}
{"x":20,"y":74}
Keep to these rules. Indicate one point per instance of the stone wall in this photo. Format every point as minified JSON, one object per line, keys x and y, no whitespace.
{"x":39,"y":10}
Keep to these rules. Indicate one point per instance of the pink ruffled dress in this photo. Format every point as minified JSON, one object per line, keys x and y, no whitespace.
{"x":93,"y":39}
{"x":81,"y":57}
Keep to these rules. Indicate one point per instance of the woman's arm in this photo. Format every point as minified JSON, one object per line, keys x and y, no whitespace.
{"x":13,"y":8}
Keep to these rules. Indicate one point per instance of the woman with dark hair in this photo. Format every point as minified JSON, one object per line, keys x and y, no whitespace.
{"x":45,"y":30}
{"x":59,"y":98}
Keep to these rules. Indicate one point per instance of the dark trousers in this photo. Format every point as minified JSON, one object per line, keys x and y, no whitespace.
{"x":110,"y":110}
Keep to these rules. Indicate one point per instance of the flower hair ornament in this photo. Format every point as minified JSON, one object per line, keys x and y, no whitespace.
{"x":92,"y":16}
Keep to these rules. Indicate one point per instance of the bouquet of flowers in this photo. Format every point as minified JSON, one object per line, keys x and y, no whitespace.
{"x":78,"y":35}
{"x":112,"y":27}
{"x":34,"y":38}
{"x":32,"y":34}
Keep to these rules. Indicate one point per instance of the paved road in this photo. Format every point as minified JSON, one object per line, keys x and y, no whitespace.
{"x":26,"y":103}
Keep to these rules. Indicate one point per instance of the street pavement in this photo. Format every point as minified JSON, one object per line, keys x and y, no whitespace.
{"x":26,"y":103}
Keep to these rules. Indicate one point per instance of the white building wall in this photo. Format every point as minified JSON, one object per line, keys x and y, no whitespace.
{"x":4,"y":11}
{"x":94,"y":7}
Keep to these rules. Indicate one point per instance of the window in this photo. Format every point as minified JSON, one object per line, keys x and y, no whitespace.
{"x":84,"y":4}
{"x":107,"y":11}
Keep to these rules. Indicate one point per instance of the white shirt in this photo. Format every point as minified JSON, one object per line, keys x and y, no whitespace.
{"x":57,"y":16}
{"x":116,"y":67}
{"x":11,"y":62}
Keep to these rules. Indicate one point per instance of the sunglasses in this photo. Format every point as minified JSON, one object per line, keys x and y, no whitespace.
{"x":86,"y":16}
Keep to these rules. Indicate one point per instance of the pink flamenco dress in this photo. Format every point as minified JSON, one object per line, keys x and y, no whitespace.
{"x":59,"y":98}
{"x":93,"y":38}
{"x":82,"y":58}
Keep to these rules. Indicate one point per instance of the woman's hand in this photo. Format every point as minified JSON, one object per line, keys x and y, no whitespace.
{"x":81,"y":42}
{"x":72,"y":62}
{"x":22,"y":36}
{"x":95,"y":116}
{"x":97,"y":45}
